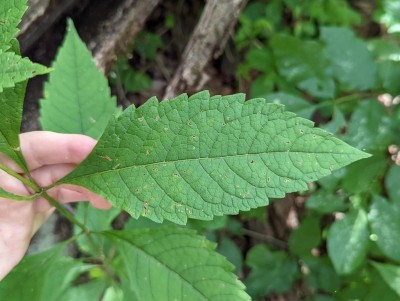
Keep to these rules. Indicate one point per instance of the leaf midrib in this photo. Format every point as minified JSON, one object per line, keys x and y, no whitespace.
{"x":140,"y":250}
{"x":185,"y":160}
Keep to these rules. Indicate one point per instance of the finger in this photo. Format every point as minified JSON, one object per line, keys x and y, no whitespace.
{"x":71,"y":193}
{"x":47,"y":175}
{"x":6,"y":161}
{"x":10,"y":184}
{"x":40,"y":218}
{"x":45,"y":148}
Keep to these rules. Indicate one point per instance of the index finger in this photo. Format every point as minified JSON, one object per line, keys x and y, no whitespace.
{"x":42,"y":148}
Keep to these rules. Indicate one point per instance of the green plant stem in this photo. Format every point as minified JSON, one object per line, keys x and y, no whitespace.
{"x":64,"y":212}
{"x":20,"y":178}
{"x":267,"y":238}
{"x":42,"y":192}
{"x":68,"y":215}
{"x":15,"y":197}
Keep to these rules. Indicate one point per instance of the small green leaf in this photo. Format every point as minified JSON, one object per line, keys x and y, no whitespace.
{"x":352,"y":62}
{"x":11,"y":101}
{"x":337,"y":122}
{"x":334,"y":12}
{"x":386,"y":54}
{"x":305,"y":64}
{"x":231,"y":251}
{"x":172,"y":263}
{"x":392,"y":183}
{"x":92,"y":290}
{"x":77,"y":96}
{"x":325,"y":202}
{"x":132,"y":80}
{"x":348,"y":242}
{"x":15,"y":69}
{"x":365,"y":175}
{"x":390,"y":274}
{"x":321,"y":274}
{"x":10,"y":15}
{"x":293,"y":103}
{"x":96,"y":220}
{"x":389,"y":15}
{"x":198,"y":157}
{"x":147,"y":44}
{"x":379,"y":289}
{"x":385,"y":225}
{"x":370,"y":127}
{"x":41,"y":277}
{"x":9,"y":195}
{"x":271,"y":271}
{"x":306,"y":237}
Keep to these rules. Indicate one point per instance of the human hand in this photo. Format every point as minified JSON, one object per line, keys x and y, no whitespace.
{"x":49,"y":156}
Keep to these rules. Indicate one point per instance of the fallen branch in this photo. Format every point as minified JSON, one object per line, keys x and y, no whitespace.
{"x":207,"y":41}
{"x":115,"y":35}
{"x":40,"y":16}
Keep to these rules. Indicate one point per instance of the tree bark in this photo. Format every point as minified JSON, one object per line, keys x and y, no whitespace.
{"x":207,"y":41}
{"x":40,"y":16}
{"x":115,"y":35}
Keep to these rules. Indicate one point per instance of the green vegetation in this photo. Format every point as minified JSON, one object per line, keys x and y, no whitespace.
{"x":195,"y":160}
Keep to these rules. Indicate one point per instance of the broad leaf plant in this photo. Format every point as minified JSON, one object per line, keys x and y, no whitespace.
{"x":185,"y":158}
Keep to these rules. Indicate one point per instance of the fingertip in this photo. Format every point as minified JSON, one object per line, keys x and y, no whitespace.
{"x":47,"y":148}
{"x":101,"y":203}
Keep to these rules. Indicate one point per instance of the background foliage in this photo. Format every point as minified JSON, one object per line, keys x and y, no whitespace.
{"x":321,"y":61}
{"x":319,"y":57}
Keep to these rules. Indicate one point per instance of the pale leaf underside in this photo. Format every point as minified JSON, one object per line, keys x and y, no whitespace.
{"x":198,"y":157}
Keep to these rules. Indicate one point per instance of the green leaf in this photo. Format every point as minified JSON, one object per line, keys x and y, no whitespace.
{"x":9,"y":195}
{"x":263,"y":84}
{"x":321,"y":274}
{"x":203,"y":156}
{"x":389,"y":73}
{"x":132,"y":80}
{"x":338,"y":122}
{"x":388,"y":14}
{"x":271,"y":271}
{"x":379,"y":289}
{"x":292,"y":103}
{"x":306,"y":237}
{"x":370,"y":127}
{"x":365,"y":175}
{"x":11,"y":102}
{"x":392,"y":183}
{"x":325,"y":202}
{"x":390,"y":274}
{"x":334,"y":12}
{"x":257,"y":59}
{"x":92,"y":290}
{"x":96,"y":220}
{"x":147,"y":44}
{"x":41,"y":277}
{"x":10,"y":15}
{"x":77,"y":96}
{"x":305,"y":64}
{"x":387,"y":54}
{"x":352,"y":62}
{"x":385,"y":225}
{"x":348,"y":242}
{"x":172,"y":263}
{"x":231,"y":251}
{"x":15,"y":69}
